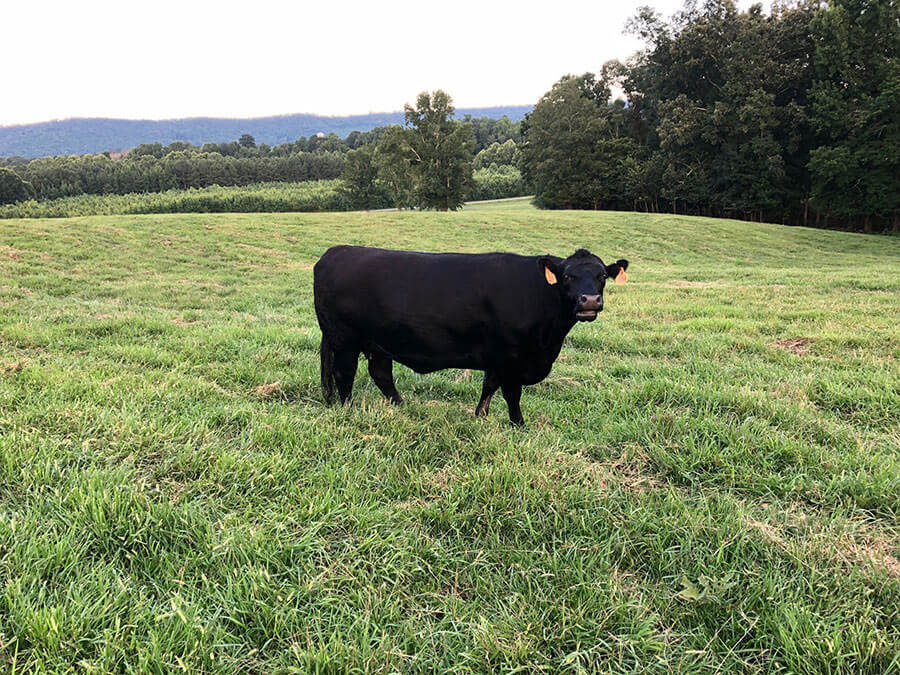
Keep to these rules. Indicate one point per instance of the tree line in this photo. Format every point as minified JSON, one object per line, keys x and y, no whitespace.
{"x":792,"y":117}
{"x":154,"y":167}
{"x":789,"y":117}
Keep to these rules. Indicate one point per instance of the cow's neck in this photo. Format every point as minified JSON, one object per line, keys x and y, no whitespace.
{"x":558,"y":329}
{"x":564,"y":325}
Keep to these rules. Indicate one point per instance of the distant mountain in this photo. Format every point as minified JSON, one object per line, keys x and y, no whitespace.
{"x":85,"y":135}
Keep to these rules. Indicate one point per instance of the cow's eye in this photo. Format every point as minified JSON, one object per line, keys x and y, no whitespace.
{"x":566,"y":277}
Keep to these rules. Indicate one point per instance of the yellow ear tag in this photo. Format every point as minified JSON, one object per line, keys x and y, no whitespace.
{"x":551,"y":278}
{"x":621,"y":277}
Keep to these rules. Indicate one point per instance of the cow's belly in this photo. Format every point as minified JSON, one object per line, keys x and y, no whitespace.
{"x":425,"y":365}
{"x":427,"y":343}
{"x":512,"y":360}
{"x":424,"y":358}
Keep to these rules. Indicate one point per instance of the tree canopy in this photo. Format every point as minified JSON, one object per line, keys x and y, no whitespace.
{"x":737,"y":114}
{"x":12,"y":188}
{"x":440,"y":152}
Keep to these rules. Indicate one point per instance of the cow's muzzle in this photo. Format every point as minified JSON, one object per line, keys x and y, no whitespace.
{"x":588,"y":306}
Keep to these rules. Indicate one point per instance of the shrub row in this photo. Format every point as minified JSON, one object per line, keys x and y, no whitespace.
{"x":324,"y":195}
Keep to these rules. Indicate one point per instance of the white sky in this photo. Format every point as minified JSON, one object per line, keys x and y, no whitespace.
{"x":186,"y":58}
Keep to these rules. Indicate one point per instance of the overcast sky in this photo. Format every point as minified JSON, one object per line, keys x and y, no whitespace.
{"x":169,"y":59}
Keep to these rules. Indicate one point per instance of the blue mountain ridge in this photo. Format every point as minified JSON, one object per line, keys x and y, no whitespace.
{"x":87,"y":135}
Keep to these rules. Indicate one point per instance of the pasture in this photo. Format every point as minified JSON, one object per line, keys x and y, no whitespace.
{"x":710,"y":478}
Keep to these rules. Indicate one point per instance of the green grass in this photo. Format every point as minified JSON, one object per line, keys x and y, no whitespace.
{"x":502,"y":204}
{"x":691,"y":493}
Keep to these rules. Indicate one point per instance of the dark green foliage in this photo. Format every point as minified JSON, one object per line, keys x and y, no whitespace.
{"x":735,"y":114}
{"x":12,"y":188}
{"x":360,"y":180}
{"x":392,"y":160}
{"x":14,"y":161}
{"x":856,"y":110}
{"x":153,"y":167}
{"x":575,"y":155}
{"x":722,"y":94}
{"x":489,"y":130}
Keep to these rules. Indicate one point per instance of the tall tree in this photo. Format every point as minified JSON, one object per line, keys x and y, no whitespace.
{"x":856,"y":110}
{"x":360,"y":177}
{"x":574,"y":151}
{"x":393,"y":159}
{"x":440,"y":152}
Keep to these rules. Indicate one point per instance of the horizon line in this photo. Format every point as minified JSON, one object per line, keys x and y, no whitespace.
{"x":253,"y":117}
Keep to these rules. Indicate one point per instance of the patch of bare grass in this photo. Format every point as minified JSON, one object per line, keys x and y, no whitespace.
{"x":797,"y":346}
{"x":269,"y":390}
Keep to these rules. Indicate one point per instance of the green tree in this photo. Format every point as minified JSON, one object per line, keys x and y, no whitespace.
{"x":574,"y":152}
{"x":439,"y":151}
{"x":497,"y":154}
{"x":13,"y":188}
{"x":856,"y":110}
{"x":719,"y":98}
{"x":393,"y":159}
{"x":360,"y":180}
{"x":247,"y":141}
{"x":488,"y":131}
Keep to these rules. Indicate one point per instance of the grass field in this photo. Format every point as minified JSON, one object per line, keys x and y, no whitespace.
{"x":710,"y":479}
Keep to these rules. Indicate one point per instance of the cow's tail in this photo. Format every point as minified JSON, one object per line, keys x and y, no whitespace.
{"x":326,"y":354}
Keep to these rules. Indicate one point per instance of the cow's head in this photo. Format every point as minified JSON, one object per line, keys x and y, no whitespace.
{"x":580,"y":280}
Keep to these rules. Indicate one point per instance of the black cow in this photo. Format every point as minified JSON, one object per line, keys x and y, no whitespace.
{"x":502,"y":313}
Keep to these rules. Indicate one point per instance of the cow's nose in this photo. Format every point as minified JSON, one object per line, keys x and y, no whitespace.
{"x":591,"y":302}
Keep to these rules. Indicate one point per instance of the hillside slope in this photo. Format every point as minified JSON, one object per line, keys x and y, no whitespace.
{"x":710,"y":481}
{"x":92,"y":135}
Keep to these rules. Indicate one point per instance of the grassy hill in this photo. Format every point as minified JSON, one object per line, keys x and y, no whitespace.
{"x":710,"y":480}
{"x":79,"y":136}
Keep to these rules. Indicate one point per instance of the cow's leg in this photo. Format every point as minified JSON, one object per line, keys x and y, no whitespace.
{"x":488,"y":387}
{"x":344,"y":372}
{"x":512,"y":392}
{"x":381,"y":369}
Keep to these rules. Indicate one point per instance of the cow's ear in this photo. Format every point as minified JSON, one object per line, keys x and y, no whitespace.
{"x":617,"y":271}
{"x":550,"y":268}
